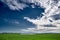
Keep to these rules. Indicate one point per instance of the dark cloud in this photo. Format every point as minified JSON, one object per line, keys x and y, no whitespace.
{"x":49,"y":25}
{"x":56,"y":17}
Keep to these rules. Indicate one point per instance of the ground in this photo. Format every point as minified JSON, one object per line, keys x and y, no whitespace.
{"x":17,"y":36}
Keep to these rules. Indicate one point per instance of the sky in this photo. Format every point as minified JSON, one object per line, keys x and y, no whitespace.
{"x":30,"y":16}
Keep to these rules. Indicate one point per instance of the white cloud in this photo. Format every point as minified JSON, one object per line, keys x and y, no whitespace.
{"x":45,"y":30}
{"x":11,"y":21}
{"x":15,"y":22}
{"x":51,"y":10}
{"x":14,"y":4}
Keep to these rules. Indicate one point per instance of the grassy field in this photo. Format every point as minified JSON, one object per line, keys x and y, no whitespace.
{"x":29,"y":37}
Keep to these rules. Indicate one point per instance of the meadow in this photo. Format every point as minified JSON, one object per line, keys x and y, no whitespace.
{"x":17,"y":36}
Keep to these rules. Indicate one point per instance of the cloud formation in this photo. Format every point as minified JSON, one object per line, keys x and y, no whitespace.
{"x":51,"y":17}
{"x":14,"y":4}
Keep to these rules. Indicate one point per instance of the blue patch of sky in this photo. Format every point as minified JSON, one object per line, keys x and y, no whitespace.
{"x":6,"y":13}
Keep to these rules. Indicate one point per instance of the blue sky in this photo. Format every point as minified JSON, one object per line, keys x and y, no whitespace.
{"x":30,"y":16}
{"x":13,"y":20}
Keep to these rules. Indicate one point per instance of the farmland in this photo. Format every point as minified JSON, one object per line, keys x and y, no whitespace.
{"x":17,"y":36}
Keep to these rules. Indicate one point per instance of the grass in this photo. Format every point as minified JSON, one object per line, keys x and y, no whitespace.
{"x":17,"y":36}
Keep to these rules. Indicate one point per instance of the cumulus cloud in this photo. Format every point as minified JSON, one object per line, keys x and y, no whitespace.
{"x":50,"y":22}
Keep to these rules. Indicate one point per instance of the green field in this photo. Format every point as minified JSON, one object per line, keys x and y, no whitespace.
{"x":29,"y":36}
